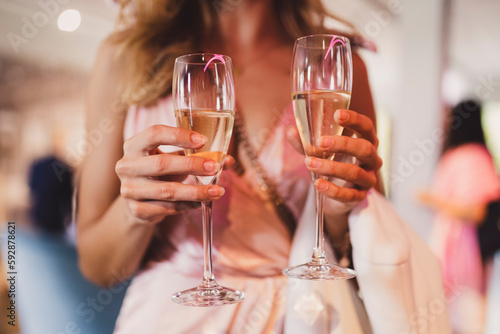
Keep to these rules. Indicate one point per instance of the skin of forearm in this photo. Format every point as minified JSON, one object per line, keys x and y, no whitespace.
{"x":474,"y":213}
{"x":112,"y":248}
{"x":336,"y":215}
{"x":335,"y":221}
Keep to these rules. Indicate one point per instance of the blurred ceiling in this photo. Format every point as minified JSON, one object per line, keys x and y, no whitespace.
{"x":474,"y":40}
{"x":474,"y":44}
{"x":474,"y":36}
{"x":44,"y":43}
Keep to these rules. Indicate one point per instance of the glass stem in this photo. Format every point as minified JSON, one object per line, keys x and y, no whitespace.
{"x":206,"y":209}
{"x":319,"y":252}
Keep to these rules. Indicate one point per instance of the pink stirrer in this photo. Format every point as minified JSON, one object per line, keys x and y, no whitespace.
{"x":216,"y":56}
{"x":334,"y":40}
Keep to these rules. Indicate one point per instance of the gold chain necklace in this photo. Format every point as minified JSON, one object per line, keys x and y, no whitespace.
{"x":265,"y":183}
{"x":343,"y":249}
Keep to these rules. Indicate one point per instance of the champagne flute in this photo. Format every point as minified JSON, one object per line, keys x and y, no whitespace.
{"x":203,"y":93}
{"x":321,"y":84}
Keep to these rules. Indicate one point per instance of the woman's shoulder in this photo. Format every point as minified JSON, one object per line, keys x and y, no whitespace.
{"x":108,"y":63}
{"x":470,"y":151}
{"x":108,"y":50}
{"x":473,"y":157}
{"x":103,"y":92}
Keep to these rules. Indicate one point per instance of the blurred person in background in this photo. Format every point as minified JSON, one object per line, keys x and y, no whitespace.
{"x":489,"y":242}
{"x":50,"y":180}
{"x":51,"y":187}
{"x":54,"y":292}
{"x":464,"y":183}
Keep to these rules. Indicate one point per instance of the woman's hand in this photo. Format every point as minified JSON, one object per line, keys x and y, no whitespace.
{"x":151,"y":179}
{"x":363,"y":148}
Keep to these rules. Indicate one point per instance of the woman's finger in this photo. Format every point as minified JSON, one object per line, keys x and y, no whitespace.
{"x":360,"y":148}
{"x":147,"y":189}
{"x":341,"y":194}
{"x":156,"y":135}
{"x":228,"y":162}
{"x":359,"y":123}
{"x":345,"y":171}
{"x":167,"y":164}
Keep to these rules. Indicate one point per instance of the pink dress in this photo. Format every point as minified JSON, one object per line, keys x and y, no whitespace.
{"x":467,"y":175}
{"x":251,"y":247}
{"x":397,"y":274}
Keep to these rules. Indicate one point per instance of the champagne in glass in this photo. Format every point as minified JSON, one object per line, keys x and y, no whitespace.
{"x":203,"y":94}
{"x":321,"y":84}
{"x":314,"y":117}
{"x":216,"y":125}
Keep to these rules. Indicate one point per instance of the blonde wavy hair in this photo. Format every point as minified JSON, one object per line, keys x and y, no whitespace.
{"x":152,"y":33}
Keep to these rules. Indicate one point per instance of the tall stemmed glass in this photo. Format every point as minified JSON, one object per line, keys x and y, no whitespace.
{"x":321,"y":84}
{"x":203,"y":93}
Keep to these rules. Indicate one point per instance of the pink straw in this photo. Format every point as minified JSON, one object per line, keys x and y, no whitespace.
{"x":216,"y":56}
{"x":334,"y":40}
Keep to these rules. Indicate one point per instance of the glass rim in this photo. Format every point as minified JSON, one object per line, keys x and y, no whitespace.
{"x":211,"y":55}
{"x":299,"y":42}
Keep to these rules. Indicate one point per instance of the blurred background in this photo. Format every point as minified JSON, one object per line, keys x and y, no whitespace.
{"x":430,"y":55}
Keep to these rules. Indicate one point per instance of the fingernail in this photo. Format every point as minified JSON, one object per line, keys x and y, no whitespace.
{"x":197,"y":139}
{"x":211,"y":165}
{"x":326,"y":141}
{"x":313,"y":162}
{"x":342,"y":115}
{"x":321,"y":185}
{"x":216,"y":191}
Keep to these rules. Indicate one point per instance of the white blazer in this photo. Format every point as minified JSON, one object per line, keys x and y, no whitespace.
{"x":398,"y":275}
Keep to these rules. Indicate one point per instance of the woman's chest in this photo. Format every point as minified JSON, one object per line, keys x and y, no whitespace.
{"x":262,"y":95}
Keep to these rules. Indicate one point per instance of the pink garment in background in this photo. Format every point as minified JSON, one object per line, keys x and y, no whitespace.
{"x":466,"y":175}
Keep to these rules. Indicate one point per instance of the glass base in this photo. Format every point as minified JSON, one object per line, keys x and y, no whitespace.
{"x":319,"y":270}
{"x":208,"y":294}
